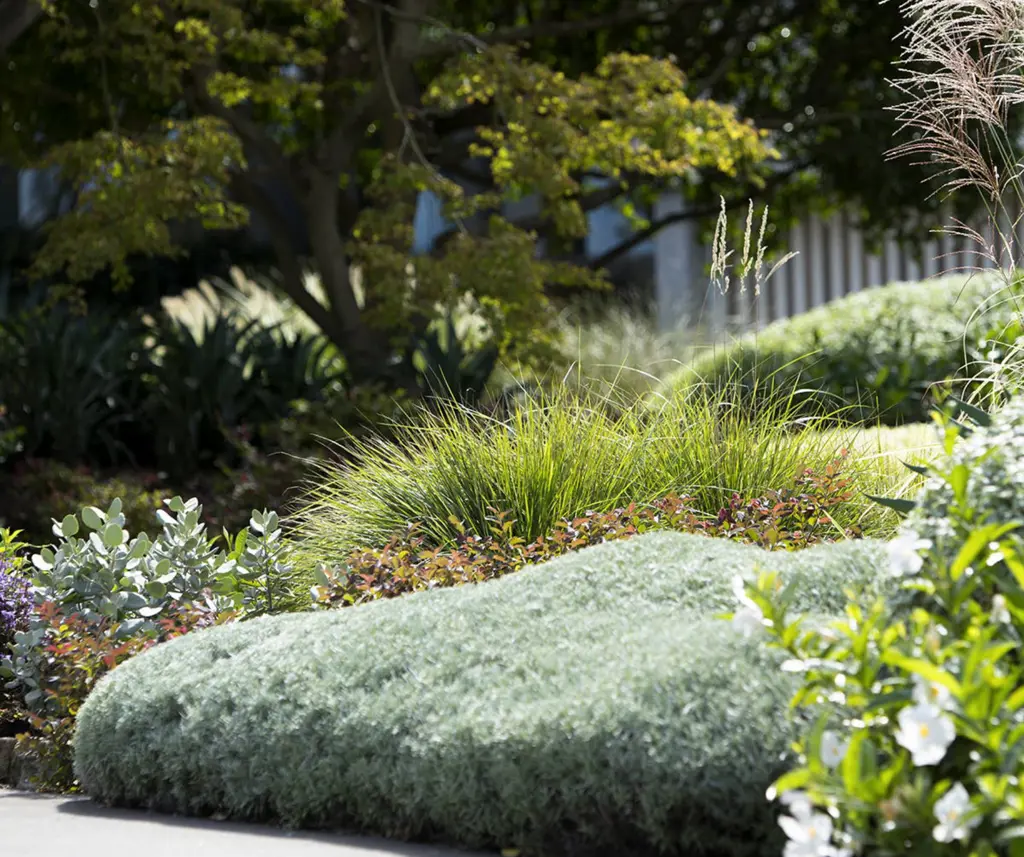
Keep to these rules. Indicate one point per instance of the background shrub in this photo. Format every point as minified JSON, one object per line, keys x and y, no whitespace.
{"x":72,"y":383}
{"x":104,"y":390}
{"x":37,"y":491}
{"x":590,"y":705}
{"x":872,"y":356}
{"x":205,"y":385}
{"x":989,"y":465}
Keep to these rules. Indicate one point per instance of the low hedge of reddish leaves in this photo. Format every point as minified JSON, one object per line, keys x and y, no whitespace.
{"x":780,"y":520}
{"x":79,"y":652}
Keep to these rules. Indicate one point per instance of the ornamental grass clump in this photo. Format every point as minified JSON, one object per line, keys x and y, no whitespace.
{"x":782,"y":520}
{"x":558,"y":455}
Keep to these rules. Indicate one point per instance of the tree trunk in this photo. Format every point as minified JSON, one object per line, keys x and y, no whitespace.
{"x":368,"y":355}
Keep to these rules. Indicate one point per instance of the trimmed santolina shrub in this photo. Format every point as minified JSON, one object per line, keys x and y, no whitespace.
{"x":591,"y":705}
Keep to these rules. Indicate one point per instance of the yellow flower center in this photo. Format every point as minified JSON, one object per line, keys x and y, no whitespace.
{"x":923,"y":730}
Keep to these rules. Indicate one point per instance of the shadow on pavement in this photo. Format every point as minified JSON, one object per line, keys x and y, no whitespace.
{"x":84,"y":808}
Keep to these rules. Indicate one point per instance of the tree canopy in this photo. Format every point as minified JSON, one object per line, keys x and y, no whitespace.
{"x":337,"y":113}
{"x":211,"y":109}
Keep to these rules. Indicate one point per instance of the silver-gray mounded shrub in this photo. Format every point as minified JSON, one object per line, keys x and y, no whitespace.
{"x":590,"y":705}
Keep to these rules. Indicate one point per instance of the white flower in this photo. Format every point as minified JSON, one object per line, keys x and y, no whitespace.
{"x":809,"y":832}
{"x":797,"y":802}
{"x":1000,"y":612}
{"x":833,"y":749}
{"x":904,"y":553}
{"x":739,"y":589}
{"x":950,"y":810}
{"x":748,"y":619}
{"x":931,"y":693}
{"x":926,"y":732}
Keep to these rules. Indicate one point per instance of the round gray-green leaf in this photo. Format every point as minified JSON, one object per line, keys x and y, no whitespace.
{"x":43,"y":562}
{"x":140,"y":547}
{"x":156,"y":589}
{"x":113,"y":535}
{"x":69,"y":526}
{"x":92,"y":517}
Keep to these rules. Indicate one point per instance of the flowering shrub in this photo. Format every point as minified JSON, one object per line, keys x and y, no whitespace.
{"x":15,"y":609}
{"x":77,"y":653}
{"x":914,"y":708}
{"x":782,"y":520}
{"x":15,"y":604}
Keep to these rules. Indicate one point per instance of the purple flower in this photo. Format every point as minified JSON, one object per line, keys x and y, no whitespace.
{"x":15,"y":605}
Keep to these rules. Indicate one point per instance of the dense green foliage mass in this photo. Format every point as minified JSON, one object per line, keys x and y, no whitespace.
{"x":875,"y":355}
{"x":325,"y":121}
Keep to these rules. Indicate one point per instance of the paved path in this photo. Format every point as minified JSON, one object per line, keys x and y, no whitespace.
{"x":38,"y":824}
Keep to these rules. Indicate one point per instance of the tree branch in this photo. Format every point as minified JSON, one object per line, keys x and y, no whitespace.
{"x":255,"y":139}
{"x":588,"y":201}
{"x":454,"y":39}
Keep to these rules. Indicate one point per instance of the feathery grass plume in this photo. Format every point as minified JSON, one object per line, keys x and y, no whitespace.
{"x":962,"y":80}
{"x":752,"y":259}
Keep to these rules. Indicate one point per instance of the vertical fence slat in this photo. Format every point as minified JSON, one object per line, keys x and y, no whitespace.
{"x":874,"y":274}
{"x":837,"y":283}
{"x":798,"y":272}
{"x":817,"y":261}
{"x":854,"y":255}
{"x":891,"y":255}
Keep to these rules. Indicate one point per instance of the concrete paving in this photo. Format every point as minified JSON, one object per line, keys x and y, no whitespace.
{"x":46,"y":825}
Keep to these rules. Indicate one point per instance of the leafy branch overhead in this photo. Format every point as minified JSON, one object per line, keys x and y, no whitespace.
{"x":325,"y":120}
